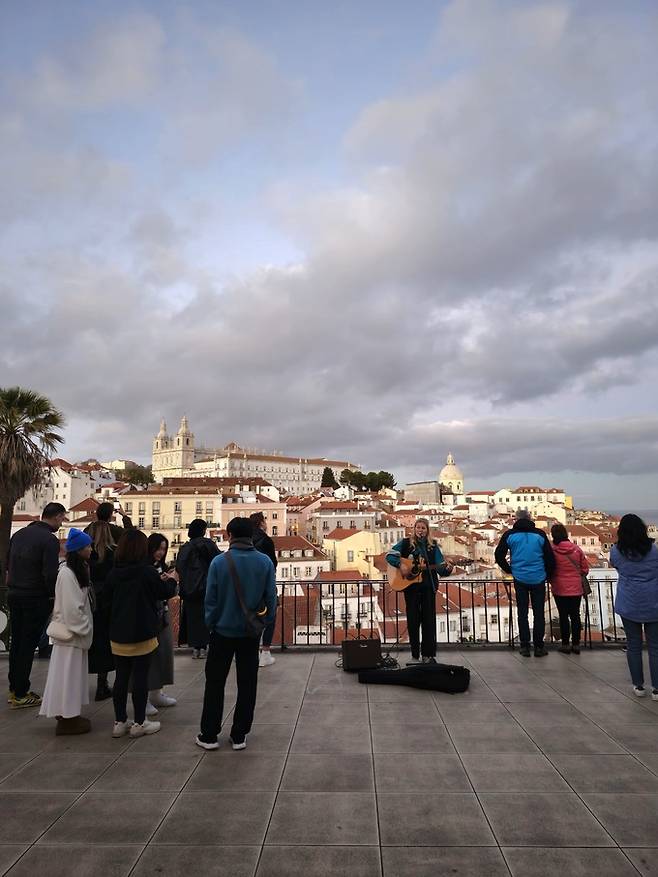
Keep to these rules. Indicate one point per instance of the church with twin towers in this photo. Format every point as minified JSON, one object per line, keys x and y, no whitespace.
{"x":176,"y":455}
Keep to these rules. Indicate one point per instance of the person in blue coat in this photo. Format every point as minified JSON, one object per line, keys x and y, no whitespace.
{"x":531,"y":562}
{"x":635,"y":557}
{"x":419,"y":598}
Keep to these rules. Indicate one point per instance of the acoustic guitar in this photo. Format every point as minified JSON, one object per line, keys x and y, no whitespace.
{"x":410,"y":572}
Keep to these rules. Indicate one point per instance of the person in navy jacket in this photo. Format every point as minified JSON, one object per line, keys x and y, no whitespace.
{"x":531,"y":562}
{"x":635,"y":557}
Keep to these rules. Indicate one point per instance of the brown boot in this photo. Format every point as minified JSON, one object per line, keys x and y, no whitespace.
{"x":76,"y":725}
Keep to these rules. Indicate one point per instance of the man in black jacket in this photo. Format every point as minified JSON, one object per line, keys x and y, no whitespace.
{"x":264,"y":544}
{"x":33,"y":564}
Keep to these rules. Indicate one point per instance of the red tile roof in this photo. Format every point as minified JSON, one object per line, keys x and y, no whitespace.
{"x":339,"y":575}
{"x":340,"y":533}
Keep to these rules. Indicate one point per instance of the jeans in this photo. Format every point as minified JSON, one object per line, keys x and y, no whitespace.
{"x":526,"y":594}
{"x":28,"y":616}
{"x":218,"y":663}
{"x":569,"y":611}
{"x":634,"y":649}
{"x":268,"y":633}
{"x":421,"y":614}
{"x":138,"y":667}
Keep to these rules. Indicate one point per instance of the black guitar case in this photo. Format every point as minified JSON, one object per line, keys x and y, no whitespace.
{"x":448,"y":678}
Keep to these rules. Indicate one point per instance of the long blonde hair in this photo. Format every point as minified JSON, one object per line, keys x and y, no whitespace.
{"x":103,"y":540}
{"x":413,"y":534}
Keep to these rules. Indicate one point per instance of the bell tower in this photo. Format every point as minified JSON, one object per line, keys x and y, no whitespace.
{"x":161,"y":449}
{"x":183,"y":447}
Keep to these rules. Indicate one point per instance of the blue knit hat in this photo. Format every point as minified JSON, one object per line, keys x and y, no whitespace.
{"x":77,"y":540}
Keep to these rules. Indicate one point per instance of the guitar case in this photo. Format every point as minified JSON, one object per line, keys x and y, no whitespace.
{"x":448,"y":678}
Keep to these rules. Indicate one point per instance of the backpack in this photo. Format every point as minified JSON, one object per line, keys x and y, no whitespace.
{"x":193,"y":581}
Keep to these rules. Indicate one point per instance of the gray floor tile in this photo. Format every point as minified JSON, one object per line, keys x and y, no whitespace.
{"x":533,"y":862}
{"x":24,"y":816}
{"x":110,"y":819}
{"x":323,"y":818}
{"x":204,"y":861}
{"x":435,"y":861}
{"x":312,"y":737}
{"x":635,"y":738}
{"x":77,"y":860}
{"x":539,"y":715}
{"x":10,"y":763}
{"x":604,"y":714}
{"x":543,"y":820}
{"x":525,"y":692}
{"x":243,"y":772}
{"x":387,"y":737}
{"x":217,"y":818}
{"x":502,"y":737}
{"x":606,"y":773}
{"x":632,"y":820}
{"x":405,"y":713}
{"x":269,"y":738}
{"x":460,"y":713}
{"x":645,"y":861}
{"x":431,"y":772}
{"x":309,"y":861}
{"x":9,"y":853}
{"x":439,"y":821}
{"x":567,"y":740}
{"x":334,"y":713}
{"x":139,"y":771}
{"x":328,"y":773}
{"x":494,"y":772}
{"x":67,"y":772}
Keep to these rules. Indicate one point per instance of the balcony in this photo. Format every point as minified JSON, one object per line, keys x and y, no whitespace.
{"x":544,"y":766}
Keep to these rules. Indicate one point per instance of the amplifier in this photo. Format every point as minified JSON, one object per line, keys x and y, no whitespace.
{"x":361,"y":654}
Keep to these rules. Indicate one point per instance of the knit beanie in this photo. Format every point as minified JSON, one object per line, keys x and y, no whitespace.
{"x":77,"y":540}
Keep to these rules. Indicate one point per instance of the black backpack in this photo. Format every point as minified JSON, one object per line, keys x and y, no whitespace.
{"x":193,"y":580}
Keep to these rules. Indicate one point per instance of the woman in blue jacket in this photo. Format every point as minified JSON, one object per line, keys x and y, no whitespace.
{"x":635,"y":557}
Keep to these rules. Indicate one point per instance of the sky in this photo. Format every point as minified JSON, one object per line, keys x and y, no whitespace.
{"x":373,"y":231}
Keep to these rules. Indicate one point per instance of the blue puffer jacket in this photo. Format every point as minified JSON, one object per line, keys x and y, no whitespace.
{"x":531,"y":558}
{"x":637,"y":588}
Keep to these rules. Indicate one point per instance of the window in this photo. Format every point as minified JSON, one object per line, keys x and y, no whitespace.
{"x":342,"y":589}
{"x":363,"y":611}
{"x":442,"y":627}
{"x":155,"y":522}
{"x":352,"y":525}
{"x":198,"y":509}
{"x":453,"y":626}
{"x":366,"y":524}
{"x":177,"y":521}
{"x":275,"y":516}
{"x":275,"y":530}
{"x":178,"y":507}
{"x":493,"y":619}
{"x":209,"y":510}
{"x":325,"y":526}
{"x":350,"y":557}
{"x":142,"y":508}
{"x":308,"y":571}
{"x":155,"y":509}
{"x":295,"y":572}
{"x":339,"y":524}
{"x":284,"y":572}
{"x":128,"y":508}
{"x":140,"y":523}
{"x":21,"y":506}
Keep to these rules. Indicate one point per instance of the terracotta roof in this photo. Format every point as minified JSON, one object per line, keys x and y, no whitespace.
{"x":25,"y":517}
{"x":216,"y":482}
{"x":338,"y":575}
{"x":335,"y":505}
{"x":61,"y":464}
{"x":87,"y":505}
{"x":342,"y":533}
{"x":297,"y":543}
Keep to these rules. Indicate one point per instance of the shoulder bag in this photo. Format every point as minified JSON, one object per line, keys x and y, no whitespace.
{"x":584,"y":581}
{"x":254,"y":619}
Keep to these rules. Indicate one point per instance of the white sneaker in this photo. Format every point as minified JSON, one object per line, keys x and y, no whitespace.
{"x":120,"y":729}
{"x":266,"y":658}
{"x":195,"y":654}
{"x":242,"y":745}
{"x":654,"y":694}
{"x":202,"y":654}
{"x":640,"y":691}
{"x":145,"y":728}
{"x":159,"y":698}
{"x":204,"y":745}
{"x":150,"y":709}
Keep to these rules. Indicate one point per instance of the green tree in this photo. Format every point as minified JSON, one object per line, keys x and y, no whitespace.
{"x":386,"y":480}
{"x":139,"y":476}
{"x":328,"y":478}
{"x":29,"y":435}
{"x":359,"y":481}
{"x":346,"y":477}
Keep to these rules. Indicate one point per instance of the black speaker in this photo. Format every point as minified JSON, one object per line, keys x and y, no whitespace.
{"x":361,"y":654}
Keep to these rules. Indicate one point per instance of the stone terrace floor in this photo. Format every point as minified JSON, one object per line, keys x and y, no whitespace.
{"x":544,"y":767}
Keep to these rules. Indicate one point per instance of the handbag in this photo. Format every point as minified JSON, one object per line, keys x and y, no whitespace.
{"x":254,"y":619}
{"x":59,"y":632}
{"x":584,"y":581}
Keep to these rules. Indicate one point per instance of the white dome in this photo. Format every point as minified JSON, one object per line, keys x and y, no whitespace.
{"x":451,"y":475}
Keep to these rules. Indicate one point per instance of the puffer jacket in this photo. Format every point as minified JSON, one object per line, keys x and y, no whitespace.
{"x":637,"y":588}
{"x":570,"y":565}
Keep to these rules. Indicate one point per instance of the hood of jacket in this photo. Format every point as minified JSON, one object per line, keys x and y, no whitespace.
{"x":565,"y":547}
{"x":524,"y":525}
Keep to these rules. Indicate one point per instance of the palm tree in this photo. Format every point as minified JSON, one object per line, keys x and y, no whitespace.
{"x":29,"y":435}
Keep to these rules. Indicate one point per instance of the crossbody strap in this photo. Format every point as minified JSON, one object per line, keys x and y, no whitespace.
{"x":236,"y":582}
{"x":573,"y":562}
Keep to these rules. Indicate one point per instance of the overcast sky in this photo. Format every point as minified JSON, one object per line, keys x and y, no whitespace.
{"x":378,"y":230}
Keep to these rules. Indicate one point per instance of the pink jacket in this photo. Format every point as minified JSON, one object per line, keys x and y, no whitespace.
{"x":570,"y":564}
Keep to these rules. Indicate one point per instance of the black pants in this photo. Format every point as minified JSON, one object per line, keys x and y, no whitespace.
{"x":28,"y":617}
{"x":526,"y":594}
{"x":138,"y":667}
{"x":421,"y":614}
{"x":569,"y":611}
{"x":218,"y":664}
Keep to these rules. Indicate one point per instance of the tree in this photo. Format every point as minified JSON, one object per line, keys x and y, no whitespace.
{"x":386,"y":480}
{"x":328,"y":478}
{"x":346,"y":477}
{"x":29,"y":435}
{"x":139,"y":476}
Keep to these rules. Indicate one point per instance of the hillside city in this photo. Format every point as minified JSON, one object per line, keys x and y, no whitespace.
{"x":331,"y":542}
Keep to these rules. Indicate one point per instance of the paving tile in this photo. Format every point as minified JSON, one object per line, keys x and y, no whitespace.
{"x":606,"y":773}
{"x":24,"y":816}
{"x":323,"y":818}
{"x":567,"y":740}
{"x":460,"y":713}
{"x":217,"y":818}
{"x":434,"y":861}
{"x":405,"y":713}
{"x":423,"y":738}
{"x":443,"y":820}
{"x":312,"y":737}
{"x":25,"y":739}
{"x":205,"y":861}
{"x":431,"y":772}
{"x":541,"y":715}
{"x":636,"y":738}
{"x":543,"y":820}
{"x":77,"y":860}
{"x":9,"y":853}
{"x":139,"y":771}
{"x":630,"y":819}
{"x":334,"y":713}
{"x":243,"y":772}
{"x":328,"y":773}
{"x":309,"y":861}
{"x":278,"y":712}
{"x":110,"y":819}
{"x":269,"y":738}
{"x":629,"y":713}
{"x":10,"y":763}
{"x":525,"y":692}
{"x":494,"y":772}
{"x":67,"y":772}
{"x":503,"y":737}
{"x":534,"y":862}
{"x":645,"y":860}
